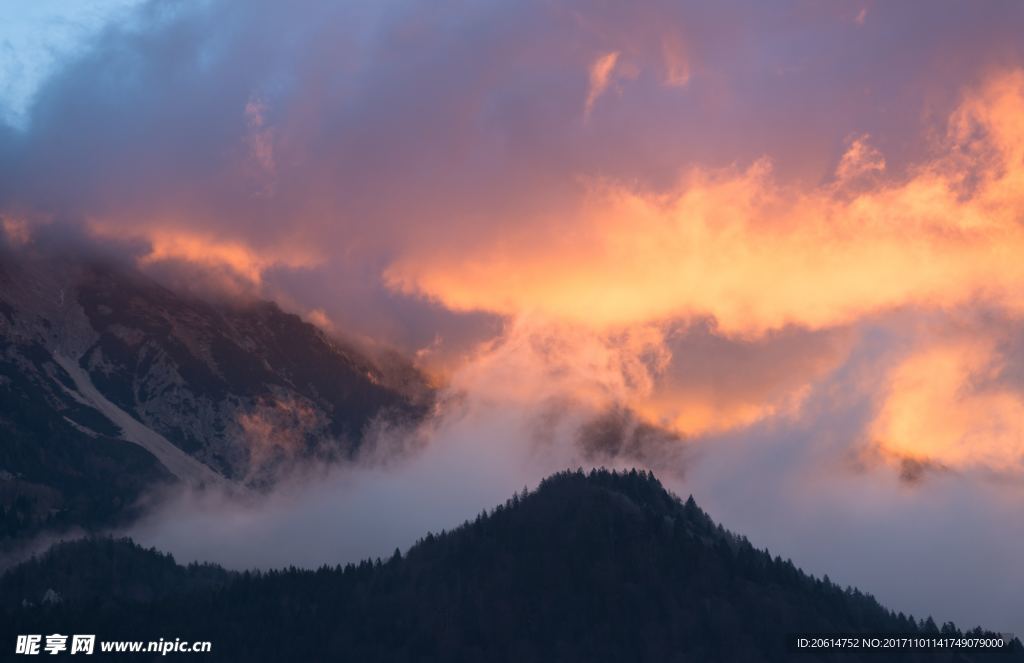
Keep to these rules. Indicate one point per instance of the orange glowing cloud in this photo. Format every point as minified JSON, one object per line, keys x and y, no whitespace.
{"x":945,"y":404}
{"x":236,"y":257}
{"x":757,"y":255}
{"x":536,"y":360}
{"x":691,"y":382}
{"x":714,"y":384}
{"x":858,"y":160}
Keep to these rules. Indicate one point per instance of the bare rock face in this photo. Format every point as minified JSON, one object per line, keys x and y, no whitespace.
{"x":95,"y":357}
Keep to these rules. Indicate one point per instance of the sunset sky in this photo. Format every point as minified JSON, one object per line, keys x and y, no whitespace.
{"x":788,"y":237}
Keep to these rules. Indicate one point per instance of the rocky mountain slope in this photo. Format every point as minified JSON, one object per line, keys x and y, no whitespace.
{"x":111,"y":383}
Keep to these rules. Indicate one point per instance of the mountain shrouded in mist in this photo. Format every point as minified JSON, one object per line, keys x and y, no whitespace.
{"x":112,"y":384}
{"x":589,"y":567}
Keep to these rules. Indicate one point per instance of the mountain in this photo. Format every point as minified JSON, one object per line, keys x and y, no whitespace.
{"x":589,"y":567}
{"x":111,"y":384}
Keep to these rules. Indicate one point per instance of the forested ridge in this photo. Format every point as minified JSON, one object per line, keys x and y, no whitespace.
{"x":598,"y":566}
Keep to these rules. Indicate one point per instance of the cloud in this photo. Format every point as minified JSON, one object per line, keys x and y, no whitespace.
{"x":713,"y":383}
{"x":859,"y":159}
{"x":600,"y":76}
{"x":947,"y":401}
{"x":199,"y":250}
{"x":787,"y":235}
{"x":735,"y":246}
{"x":422,"y":176}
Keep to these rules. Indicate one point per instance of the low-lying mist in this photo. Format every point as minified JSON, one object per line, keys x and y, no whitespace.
{"x":923,"y":539}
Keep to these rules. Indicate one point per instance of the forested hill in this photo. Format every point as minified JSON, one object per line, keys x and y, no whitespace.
{"x":589,"y":567}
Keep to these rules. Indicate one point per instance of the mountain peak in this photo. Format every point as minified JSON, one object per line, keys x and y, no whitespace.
{"x":111,"y":382}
